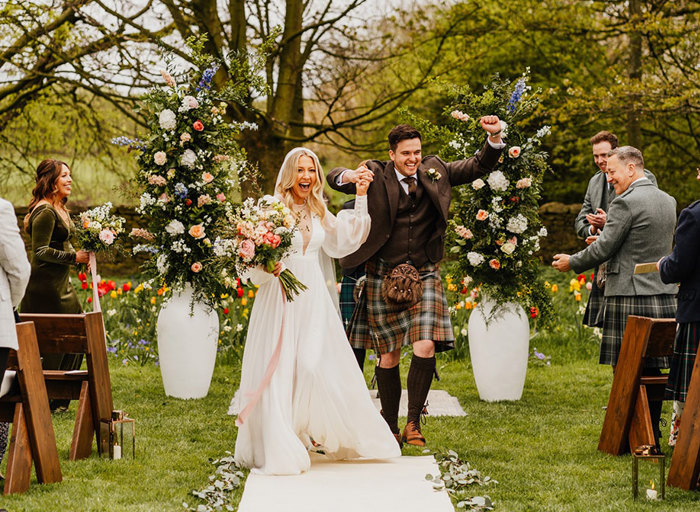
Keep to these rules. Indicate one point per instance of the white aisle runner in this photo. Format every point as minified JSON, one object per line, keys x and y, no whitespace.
{"x":349,"y":486}
{"x":440,"y":403}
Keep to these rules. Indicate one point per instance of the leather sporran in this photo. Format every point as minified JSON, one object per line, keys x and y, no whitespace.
{"x":600,"y":276}
{"x":402,"y":286}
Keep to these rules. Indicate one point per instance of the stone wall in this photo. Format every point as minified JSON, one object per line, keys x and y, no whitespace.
{"x":558,"y":218}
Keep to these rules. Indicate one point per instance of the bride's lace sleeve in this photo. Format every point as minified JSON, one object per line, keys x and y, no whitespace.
{"x":348,"y":231}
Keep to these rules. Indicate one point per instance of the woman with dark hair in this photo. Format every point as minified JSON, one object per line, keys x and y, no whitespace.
{"x":50,"y":227}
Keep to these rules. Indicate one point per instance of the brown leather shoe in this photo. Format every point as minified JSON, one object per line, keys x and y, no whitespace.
{"x":412,"y":434}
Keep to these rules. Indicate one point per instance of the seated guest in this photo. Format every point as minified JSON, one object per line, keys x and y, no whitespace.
{"x":683,"y":266}
{"x":14,"y":275}
{"x":49,"y":224}
{"x":639,"y":229}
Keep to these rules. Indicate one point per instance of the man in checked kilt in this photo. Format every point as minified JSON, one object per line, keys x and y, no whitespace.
{"x":639,"y":229}
{"x":408,"y":202}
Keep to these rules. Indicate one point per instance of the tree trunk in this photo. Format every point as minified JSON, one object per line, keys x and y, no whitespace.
{"x":634,"y":128}
{"x":267,"y":150}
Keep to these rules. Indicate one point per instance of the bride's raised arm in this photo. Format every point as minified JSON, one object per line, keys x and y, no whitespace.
{"x":348,"y":231}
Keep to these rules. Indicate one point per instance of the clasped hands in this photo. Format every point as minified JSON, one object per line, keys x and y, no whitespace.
{"x":597,"y":220}
{"x":361,"y":177}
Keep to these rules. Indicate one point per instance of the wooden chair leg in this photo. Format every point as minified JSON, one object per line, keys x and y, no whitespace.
{"x":685,"y":463}
{"x":84,"y":429}
{"x":641,"y":429}
{"x":19,"y":460}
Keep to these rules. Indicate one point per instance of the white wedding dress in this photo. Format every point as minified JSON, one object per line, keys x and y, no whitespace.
{"x":317,"y":391}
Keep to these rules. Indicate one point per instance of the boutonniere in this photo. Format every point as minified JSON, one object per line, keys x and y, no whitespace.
{"x":433,"y":174}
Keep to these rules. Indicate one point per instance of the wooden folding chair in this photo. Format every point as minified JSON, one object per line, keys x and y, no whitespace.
{"x":627,"y":420}
{"x":26,"y":406}
{"x":685,"y":463}
{"x":79,"y":334}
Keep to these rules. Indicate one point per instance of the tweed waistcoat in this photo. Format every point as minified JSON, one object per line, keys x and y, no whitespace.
{"x":413,"y":228}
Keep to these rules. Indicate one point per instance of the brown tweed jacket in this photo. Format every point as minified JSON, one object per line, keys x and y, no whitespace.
{"x":383,"y":198}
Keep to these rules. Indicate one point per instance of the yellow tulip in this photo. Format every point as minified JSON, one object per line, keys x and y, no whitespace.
{"x":153,"y":300}
{"x":555,"y":288}
{"x":458,"y":305}
{"x":113,"y":294}
{"x":251,"y":294}
{"x":244,"y":301}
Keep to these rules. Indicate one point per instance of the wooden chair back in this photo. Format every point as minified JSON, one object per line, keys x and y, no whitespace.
{"x":627,"y":419}
{"x":26,"y":406}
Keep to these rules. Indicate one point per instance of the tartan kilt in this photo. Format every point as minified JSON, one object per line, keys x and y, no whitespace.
{"x":346,"y":299}
{"x":685,"y":347}
{"x":618,"y":308}
{"x":593,"y":317}
{"x":384,"y":328}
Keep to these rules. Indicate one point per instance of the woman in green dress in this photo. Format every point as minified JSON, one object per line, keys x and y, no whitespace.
{"x":52,"y":256}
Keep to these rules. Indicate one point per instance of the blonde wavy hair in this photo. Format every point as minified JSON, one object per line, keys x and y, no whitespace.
{"x":287,"y":177}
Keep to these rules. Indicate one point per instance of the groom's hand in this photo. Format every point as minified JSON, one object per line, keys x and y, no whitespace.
{"x":492,"y":126}
{"x":361,"y":173}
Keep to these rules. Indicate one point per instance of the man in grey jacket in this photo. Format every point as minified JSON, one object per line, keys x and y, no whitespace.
{"x":639,"y":229}
{"x":591,"y":219}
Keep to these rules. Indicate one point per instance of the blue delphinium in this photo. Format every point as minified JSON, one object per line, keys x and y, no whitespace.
{"x":181,"y":190}
{"x":517,"y":94}
{"x":207,"y":77}
{"x":129,"y":143}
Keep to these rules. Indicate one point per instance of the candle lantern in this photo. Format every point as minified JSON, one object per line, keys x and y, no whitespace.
{"x":651,"y":454}
{"x":116,"y":434}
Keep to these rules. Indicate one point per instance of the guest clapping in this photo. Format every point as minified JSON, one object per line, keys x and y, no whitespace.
{"x":50,"y":226}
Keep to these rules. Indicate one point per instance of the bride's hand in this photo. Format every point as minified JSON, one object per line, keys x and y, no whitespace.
{"x":362,"y":185}
{"x":277,"y":270}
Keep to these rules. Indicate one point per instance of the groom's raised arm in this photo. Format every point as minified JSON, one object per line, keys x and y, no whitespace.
{"x":333,"y":181}
{"x":466,"y":171}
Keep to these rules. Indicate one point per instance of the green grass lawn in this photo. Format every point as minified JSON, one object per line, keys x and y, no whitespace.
{"x":542,"y":449}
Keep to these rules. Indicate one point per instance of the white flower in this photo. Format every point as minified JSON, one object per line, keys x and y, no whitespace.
{"x":111,"y":312}
{"x":498,"y":181}
{"x":106,"y":236}
{"x":160,"y":158}
{"x":517,"y":224}
{"x":508,"y":247}
{"x":188,"y":158}
{"x":545,"y":130}
{"x":459,"y":115}
{"x":477,"y":184}
{"x":162,"y":263}
{"x":463,"y":332}
{"x":175,"y":227}
{"x":433,"y":174}
{"x":542,"y":232}
{"x":504,"y":129}
{"x":514,"y":151}
{"x":239,"y":327}
{"x":167,"y":119}
{"x":475,"y":258}
{"x":188,"y":103}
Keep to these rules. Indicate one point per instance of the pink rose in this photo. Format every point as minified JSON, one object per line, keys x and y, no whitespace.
{"x":514,"y":152}
{"x":160,"y":158}
{"x":196,"y":267}
{"x":524,"y":183}
{"x":197,"y":231}
{"x":207,"y":177}
{"x":168,"y":79}
{"x":155,"y":179}
{"x":464,"y":232}
{"x":482,"y":215}
{"x":495,"y":264}
{"x":106,"y":236}
{"x":190,"y":101}
{"x":198,"y":126}
{"x":221,"y":197}
{"x":459,"y":115}
{"x":247,"y":250}
{"x":185,"y":137}
{"x":203,"y":199}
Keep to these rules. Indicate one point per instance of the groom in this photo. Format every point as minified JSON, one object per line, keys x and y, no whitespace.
{"x":408,"y":202}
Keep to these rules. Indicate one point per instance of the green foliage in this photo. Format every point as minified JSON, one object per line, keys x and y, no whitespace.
{"x":495,"y":228}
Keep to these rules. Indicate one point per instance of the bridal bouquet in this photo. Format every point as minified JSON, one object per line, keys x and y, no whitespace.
{"x":262,"y":236}
{"x":98,"y":229}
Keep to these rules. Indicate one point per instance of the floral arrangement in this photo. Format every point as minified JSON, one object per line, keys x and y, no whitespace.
{"x":262,"y":235}
{"x":98,"y":229}
{"x":495,"y":228}
{"x":189,"y":169}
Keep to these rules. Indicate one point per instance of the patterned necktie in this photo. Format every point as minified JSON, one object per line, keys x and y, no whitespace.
{"x":411,"y":182}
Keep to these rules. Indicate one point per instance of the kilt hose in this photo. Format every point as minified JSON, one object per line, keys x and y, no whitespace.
{"x":593,"y":317}
{"x":384,"y":328}
{"x":618,"y":308}
{"x":685,"y":348}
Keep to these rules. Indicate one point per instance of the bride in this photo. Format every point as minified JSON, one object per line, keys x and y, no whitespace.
{"x":316,"y":395}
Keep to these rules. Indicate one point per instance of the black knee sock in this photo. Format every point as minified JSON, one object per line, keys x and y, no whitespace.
{"x":420,"y":376}
{"x":360,"y":356}
{"x":389,"y":387}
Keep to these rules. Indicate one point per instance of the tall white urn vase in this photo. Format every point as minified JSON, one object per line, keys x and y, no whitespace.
{"x":187,"y":342}
{"x":499,"y":347}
